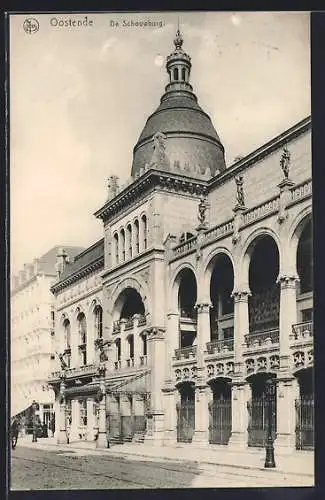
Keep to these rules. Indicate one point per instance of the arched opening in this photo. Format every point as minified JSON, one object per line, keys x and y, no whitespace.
{"x":98,"y":315}
{"x":305,"y":273}
{"x":122,"y":240}
{"x":82,"y":333}
{"x":183,"y":74}
{"x":220,"y":411}
{"x":222,"y":311}
{"x":117,"y":362}
{"x":136,"y":236}
{"x":116,"y":248}
{"x":305,"y":410}
{"x":187,"y":296}
{"x":264,"y":303}
{"x":67,"y":342}
{"x":186,"y":412}
{"x":129,"y":240}
{"x":263,"y":397}
{"x":175,"y":73}
{"x":132,"y":304}
{"x":143,"y":357}
{"x":144,"y":231}
{"x":130,"y":359}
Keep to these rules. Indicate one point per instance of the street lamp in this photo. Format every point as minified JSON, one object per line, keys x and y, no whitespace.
{"x":34,"y":405}
{"x":269,"y":448}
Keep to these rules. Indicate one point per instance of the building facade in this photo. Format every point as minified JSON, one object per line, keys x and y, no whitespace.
{"x":194,"y":314}
{"x":33,"y":336}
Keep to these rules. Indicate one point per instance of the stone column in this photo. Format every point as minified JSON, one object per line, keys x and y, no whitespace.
{"x":102,"y":437}
{"x":203,"y":331}
{"x":171,"y":344}
{"x":241,"y":326}
{"x":62,"y":434}
{"x":155,"y":418}
{"x":287,"y":393}
{"x":240,"y":395}
{"x":170,"y":422}
{"x":202,"y":398}
{"x":75,"y":420}
{"x":136,"y":340}
{"x":90,"y":420}
{"x":288,"y":316}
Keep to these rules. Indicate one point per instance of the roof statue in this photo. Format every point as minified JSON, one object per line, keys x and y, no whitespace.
{"x":285,"y":162}
{"x":159,"y":158}
{"x":240,"y":190}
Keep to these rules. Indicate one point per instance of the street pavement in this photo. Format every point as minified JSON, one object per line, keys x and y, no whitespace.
{"x":67,"y":467}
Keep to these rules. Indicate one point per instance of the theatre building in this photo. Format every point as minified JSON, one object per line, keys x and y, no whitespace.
{"x":194,"y":313}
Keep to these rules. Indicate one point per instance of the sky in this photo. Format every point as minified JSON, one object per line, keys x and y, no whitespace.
{"x":80,"y":96}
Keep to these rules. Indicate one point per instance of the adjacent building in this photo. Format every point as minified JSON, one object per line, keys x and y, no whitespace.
{"x":194,"y":313}
{"x":33,"y":335}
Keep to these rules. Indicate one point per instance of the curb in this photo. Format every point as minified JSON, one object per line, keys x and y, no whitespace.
{"x":111,"y":452}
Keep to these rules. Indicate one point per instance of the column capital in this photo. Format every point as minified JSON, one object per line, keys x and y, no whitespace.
{"x":288,"y":280}
{"x":203,"y":307}
{"x":241,"y":295}
{"x":155,"y":333}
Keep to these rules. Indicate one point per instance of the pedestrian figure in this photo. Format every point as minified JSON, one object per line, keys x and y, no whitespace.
{"x":14,"y":431}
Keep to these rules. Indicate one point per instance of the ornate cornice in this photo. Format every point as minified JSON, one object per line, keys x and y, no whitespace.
{"x":81,"y":273}
{"x":151,"y":179}
{"x":270,"y":147}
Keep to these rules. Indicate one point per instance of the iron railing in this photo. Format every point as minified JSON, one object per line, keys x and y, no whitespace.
{"x":305,"y":423}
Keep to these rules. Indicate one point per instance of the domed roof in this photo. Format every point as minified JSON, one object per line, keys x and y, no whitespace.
{"x":191,"y":144}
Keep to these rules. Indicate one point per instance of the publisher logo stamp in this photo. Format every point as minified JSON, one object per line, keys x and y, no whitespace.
{"x":31,"y":25}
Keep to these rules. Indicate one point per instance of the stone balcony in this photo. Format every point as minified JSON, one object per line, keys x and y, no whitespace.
{"x":301,"y":345}
{"x":302,"y":332}
{"x":78,"y":371}
{"x":127,"y":325}
{"x":262,"y":340}
{"x":184,"y":364}
{"x":185,"y":353}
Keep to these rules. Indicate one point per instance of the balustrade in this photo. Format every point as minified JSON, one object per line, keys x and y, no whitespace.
{"x":220,"y":346}
{"x":117,"y":365}
{"x":185,"y":353}
{"x":142,"y":320}
{"x":262,"y":338}
{"x":261,"y":210}
{"x":129,"y":324}
{"x":116,"y":326}
{"x":220,"y":230}
{"x":302,"y":330}
{"x":130,"y":362}
{"x":143,"y":360}
{"x":302,"y":190}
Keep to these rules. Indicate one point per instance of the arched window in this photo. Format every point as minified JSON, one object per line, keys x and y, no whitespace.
{"x":116,"y":248}
{"x":130,"y":361}
{"x":136,"y":236}
{"x":144,"y":231}
{"x":122,"y":234}
{"x":175,"y":73}
{"x":129,"y":240}
{"x":82,"y":332}
{"x":67,"y":334}
{"x":183,"y":74}
{"x":98,"y":322}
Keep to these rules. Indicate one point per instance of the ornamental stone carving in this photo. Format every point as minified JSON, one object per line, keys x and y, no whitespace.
{"x":250,"y":365}
{"x":288,"y":281}
{"x":299,"y":359}
{"x":155,"y":333}
{"x":203,"y":307}
{"x":261,"y":364}
{"x":186,"y":373}
{"x":210,"y":370}
{"x":241,"y":295}
{"x":178,"y":375}
{"x":274,"y":362}
{"x":229,"y":368}
{"x":219,"y":368}
{"x":310,"y":356}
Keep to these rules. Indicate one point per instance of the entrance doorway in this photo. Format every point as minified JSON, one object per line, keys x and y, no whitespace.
{"x":220,"y":412}
{"x":258,"y":410}
{"x":186,"y":413}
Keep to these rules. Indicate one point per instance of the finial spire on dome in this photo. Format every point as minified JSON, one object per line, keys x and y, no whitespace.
{"x":178,"y":40}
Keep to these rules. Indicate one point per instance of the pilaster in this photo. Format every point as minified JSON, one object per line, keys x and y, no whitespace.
{"x":288,"y":316}
{"x":240,"y":395}
{"x":202,"y":398}
{"x":241,"y":326}
{"x":287,"y":393}
{"x":101,"y":441}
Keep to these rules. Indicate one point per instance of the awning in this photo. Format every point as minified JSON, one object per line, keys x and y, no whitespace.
{"x":140,"y":383}
{"x":18,"y":407}
{"x":82,"y":390}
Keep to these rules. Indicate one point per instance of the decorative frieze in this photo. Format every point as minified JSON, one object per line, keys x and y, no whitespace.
{"x":304,"y":358}
{"x":263,"y":363}
{"x":218,"y":369}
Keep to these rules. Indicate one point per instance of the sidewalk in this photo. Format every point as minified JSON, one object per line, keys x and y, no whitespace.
{"x":299,"y":463}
